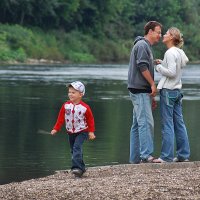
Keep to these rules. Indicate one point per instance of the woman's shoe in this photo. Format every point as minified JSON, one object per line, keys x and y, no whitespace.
{"x":180,"y":160}
{"x":159,"y":160}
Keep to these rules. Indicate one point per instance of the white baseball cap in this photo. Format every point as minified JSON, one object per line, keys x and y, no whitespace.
{"x":77,"y":85}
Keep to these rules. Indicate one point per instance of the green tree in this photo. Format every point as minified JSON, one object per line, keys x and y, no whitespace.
{"x":116,"y":20}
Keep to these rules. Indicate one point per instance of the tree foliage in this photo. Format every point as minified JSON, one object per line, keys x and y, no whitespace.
{"x":113,"y":19}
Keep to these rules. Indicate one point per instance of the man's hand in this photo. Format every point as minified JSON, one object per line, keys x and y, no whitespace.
{"x":150,"y":80}
{"x":153,"y":90}
{"x":154,"y":104}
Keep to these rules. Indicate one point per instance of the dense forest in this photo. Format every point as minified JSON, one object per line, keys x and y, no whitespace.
{"x":90,"y":30}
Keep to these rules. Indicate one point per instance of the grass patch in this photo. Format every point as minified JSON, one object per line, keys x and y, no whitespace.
{"x":19,"y":43}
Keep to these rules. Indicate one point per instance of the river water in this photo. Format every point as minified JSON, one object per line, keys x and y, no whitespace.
{"x":30,"y":99}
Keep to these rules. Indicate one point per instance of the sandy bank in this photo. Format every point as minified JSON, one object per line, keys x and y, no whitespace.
{"x":143,"y":181}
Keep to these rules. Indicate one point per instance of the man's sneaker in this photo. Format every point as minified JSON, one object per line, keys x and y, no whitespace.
{"x":148,"y":160}
{"x":180,"y":160}
{"x":77,"y":172}
{"x":159,"y":160}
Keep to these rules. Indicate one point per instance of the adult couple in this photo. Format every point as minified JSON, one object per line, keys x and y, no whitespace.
{"x":142,"y":91}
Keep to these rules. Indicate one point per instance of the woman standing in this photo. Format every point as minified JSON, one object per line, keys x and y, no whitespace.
{"x":171,"y":99}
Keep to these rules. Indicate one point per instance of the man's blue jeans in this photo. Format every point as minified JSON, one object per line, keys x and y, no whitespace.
{"x":76,"y":141}
{"x":173,"y":125}
{"x":141,"y":134}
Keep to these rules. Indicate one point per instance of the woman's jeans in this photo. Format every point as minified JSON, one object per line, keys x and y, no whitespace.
{"x":76,"y":141}
{"x":173,"y":125}
{"x":141,"y":134}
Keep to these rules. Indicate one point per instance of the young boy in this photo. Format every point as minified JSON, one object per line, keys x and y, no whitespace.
{"x":79,"y":122}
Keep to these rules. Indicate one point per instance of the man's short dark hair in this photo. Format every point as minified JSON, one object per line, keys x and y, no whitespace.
{"x":151,"y":25}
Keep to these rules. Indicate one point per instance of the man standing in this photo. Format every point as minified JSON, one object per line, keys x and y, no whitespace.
{"x":142,"y":90}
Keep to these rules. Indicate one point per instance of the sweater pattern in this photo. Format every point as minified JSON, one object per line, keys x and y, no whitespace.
{"x":75,"y":118}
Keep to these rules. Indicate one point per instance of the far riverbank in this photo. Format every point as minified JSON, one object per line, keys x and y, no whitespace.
{"x":31,"y":61}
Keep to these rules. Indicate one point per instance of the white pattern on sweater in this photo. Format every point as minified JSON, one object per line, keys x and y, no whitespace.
{"x":75,"y":118}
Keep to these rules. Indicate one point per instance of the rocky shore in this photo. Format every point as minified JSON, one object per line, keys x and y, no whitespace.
{"x":129,"y":181}
{"x":31,"y":61}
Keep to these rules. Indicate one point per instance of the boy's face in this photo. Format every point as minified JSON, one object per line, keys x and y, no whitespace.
{"x":74,"y":95}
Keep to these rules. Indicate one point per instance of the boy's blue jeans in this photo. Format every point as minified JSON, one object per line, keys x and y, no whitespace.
{"x":141,"y":134}
{"x":173,"y":125}
{"x":76,"y":141}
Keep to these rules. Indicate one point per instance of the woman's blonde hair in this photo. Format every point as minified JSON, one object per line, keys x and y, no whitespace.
{"x":177,"y":36}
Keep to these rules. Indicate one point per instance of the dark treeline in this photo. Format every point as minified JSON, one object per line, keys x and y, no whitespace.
{"x":111,"y":19}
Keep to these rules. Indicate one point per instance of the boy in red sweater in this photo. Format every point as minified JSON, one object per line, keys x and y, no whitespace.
{"x":79,"y":122}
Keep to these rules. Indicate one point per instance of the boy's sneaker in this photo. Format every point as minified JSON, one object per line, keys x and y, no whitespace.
{"x":180,"y":160}
{"x":148,"y":160}
{"x":77,"y":172}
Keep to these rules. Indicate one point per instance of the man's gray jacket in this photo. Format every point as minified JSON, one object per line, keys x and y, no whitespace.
{"x":141,"y":59}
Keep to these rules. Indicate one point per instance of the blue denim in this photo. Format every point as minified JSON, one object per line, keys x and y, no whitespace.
{"x":141,"y":134}
{"x":173,"y":125}
{"x":76,"y":141}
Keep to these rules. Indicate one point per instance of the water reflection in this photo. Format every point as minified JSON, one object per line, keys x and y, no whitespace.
{"x":32,"y":95}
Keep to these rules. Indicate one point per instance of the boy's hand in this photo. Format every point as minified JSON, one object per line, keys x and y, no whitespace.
{"x":53,"y":132}
{"x":91,"y":136}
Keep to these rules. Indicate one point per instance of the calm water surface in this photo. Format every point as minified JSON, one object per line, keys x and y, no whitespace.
{"x":30,"y":99}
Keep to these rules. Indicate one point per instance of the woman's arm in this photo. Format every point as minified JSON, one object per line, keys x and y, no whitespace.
{"x":170,"y":71}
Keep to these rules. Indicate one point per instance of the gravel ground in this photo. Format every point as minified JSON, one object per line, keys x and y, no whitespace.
{"x":142,"y":181}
